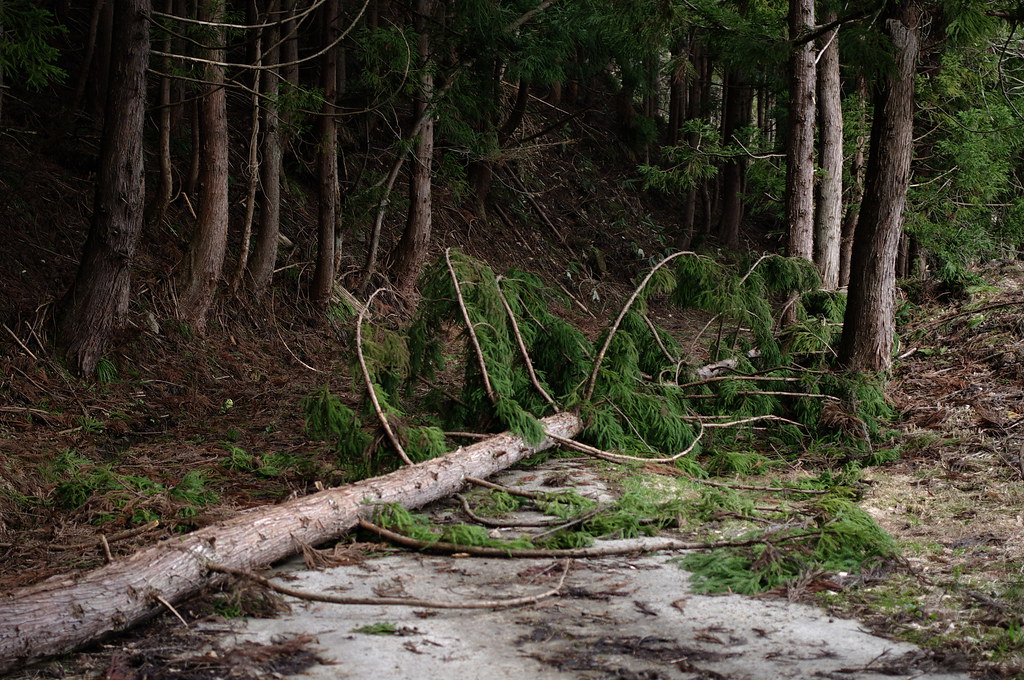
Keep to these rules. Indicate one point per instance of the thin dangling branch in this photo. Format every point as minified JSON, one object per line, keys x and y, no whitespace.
{"x":392,"y":437}
{"x":615,"y":326}
{"x":470,"y":329}
{"x":522,"y":348}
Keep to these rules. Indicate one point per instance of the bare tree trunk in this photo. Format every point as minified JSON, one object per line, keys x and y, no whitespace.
{"x":735,"y":115}
{"x":264,"y":255}
{"x":869,"y":325}
{"x":205,"y":258}
{"x":694,"y":111}
{"x":164,"y":192}
{"x":253,"y":164}
{"x":829,"y":210}
{"x":103,"y":57}
{"x":290,"y":50}
{"x":90,"y":50}
{"x":856,"y":192}
{"x":327,"y":163}
{"x":800,"y":141}
{"x":412,"y":249}
{"x":678,"y":90}
{"x":195,"y":158}
{"x":99,"y":296}
{"x":66,"y":612}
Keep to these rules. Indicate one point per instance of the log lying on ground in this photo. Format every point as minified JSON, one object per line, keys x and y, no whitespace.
{"x":68,"y":611}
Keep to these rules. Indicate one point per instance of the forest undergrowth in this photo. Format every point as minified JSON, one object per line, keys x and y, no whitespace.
{"x":721,"y":427}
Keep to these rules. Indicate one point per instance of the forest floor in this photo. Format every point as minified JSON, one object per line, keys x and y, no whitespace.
{"x":83,"y":461}
{"x":178,"y":432}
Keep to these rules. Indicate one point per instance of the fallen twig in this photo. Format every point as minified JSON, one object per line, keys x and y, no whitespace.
{"x":400,"y":601}
{"x":113,"y":538}
{"x":20,"y":343}
{"x":392,"y":437}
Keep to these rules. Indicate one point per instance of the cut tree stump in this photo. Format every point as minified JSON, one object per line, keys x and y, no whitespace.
{"x":68,"y":611}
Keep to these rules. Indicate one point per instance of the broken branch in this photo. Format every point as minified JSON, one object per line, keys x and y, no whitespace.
{"x":392,"y":437}
{"x":399,"y":601}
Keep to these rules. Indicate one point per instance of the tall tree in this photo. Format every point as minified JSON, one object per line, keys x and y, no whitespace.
{"x":800,"y":140}
{"x":327,"y":160}
{"x":99,"y":295}
{"x":829,"y":206}
{"x":411,"y":251}
{"x":264,"y":254}
{"x":869,"y":324}
{"x":736,"y":107}
{"x":204,"y":260}
{"x":856,"y":188}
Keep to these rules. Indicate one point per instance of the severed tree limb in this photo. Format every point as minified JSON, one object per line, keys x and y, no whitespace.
{"x":392,"y":437}
{"x":470,"y":329}
{"x":618,"y":321}
{"x":398,"y":601}
{"x":69,"y":610}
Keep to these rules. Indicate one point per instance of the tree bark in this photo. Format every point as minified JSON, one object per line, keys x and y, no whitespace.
{"x":411,"y":251}
{"x":736,"y":115}
{"x":98,"y":298}
{"x":694,"y":110}
{"x":869,"y":324}
{"x":205,"y":257}
{"x":678,"y":89}
{"x":256,"y":57}
{"x":327,"y":163}
{"x":164,"y":192}
{"x":856,"y":191}
{"x":800,"y":140}
{"x":829,"y":210}
{"x":264,"y":255}
{"x":65,"y":612}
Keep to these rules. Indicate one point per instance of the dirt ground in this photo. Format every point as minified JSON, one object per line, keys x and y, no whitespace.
{"x":623,"y":617}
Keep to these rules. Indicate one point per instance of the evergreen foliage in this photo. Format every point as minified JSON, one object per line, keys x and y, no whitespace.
{"x":327,"y":418}
{"x":26,"y":32}
{"x":847,"y":539}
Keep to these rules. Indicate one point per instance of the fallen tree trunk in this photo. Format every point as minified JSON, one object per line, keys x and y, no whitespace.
{"x":68,"y":611}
